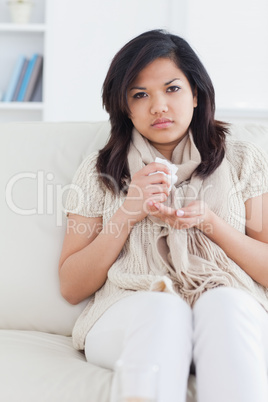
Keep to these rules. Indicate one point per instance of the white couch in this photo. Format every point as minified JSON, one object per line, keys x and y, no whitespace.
{"x":37,"y":360}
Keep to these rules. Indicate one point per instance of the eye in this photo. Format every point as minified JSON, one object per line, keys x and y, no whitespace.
{"x":139,"y":95}
{"x":173,"y":88}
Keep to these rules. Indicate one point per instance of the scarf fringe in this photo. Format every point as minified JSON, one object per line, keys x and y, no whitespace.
{"x":207,"y":267}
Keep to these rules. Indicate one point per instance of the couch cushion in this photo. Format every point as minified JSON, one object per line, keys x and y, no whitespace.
{"x":46,"y":368}
{"x":37,"y":161}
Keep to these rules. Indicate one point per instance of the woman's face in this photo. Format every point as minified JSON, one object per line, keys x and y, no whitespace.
{"x":161,"y":104}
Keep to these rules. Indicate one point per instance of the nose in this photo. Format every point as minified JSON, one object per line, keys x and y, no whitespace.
{"x":159,"y":105}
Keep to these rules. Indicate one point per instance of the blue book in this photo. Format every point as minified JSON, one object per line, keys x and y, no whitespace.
{"x":35,"y":76}
{"x":26,"y":79}
{"x":14,"y":79}
{"x":22,"y":74}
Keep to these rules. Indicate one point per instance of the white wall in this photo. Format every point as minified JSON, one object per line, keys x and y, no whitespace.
{"x":230,"y":37}
{"x":83,"y":36}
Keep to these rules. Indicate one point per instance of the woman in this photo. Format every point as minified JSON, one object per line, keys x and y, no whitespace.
{"x":176,"y":263}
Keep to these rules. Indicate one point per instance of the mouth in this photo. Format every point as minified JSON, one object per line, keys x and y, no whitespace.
{"x":162,"y":123}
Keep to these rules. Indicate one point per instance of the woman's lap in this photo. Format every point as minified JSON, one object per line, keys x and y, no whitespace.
{"x":162,"y":329}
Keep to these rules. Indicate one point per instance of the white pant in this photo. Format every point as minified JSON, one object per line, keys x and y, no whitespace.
{"x":226,"y":335}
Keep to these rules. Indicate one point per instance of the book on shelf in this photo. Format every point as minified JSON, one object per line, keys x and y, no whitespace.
{"x":20,"y":79}
{"x":36,"y":73}
{"x":24,"y":79}
{"x":29,"y":82}
{"x":14,"y":79}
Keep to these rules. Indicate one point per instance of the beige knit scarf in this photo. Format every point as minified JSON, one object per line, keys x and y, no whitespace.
{"x":190,"y":261}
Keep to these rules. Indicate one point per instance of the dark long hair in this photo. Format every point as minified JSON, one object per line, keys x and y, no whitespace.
{"x":209,"y":134}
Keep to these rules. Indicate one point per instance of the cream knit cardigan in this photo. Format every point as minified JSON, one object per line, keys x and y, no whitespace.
{"x":142,"y":264}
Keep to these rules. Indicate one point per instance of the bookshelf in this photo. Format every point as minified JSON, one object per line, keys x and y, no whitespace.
{"x":11,"y":27}
{"x":21,"y":106}
{"x":16,"y":40}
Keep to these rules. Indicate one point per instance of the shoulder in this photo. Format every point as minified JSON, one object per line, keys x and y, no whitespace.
{"x":88,"y":165}
{"x":250,"y":164}
{"x":87,"y":192}
{"x":87,"y":175}
{"x":245,"y":156}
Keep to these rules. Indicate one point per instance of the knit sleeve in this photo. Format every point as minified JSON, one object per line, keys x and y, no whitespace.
{"x":251,"y":164}
{"x":87,"y":193}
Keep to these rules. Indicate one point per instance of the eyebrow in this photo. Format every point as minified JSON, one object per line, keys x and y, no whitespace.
{"x":166,"y":83}
{"x":174,"y":79}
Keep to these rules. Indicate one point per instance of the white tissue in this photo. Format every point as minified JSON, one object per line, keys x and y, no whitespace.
{"x":173,"y":170}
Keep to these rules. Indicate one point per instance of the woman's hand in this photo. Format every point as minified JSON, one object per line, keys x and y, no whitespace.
{"x":196,"y":214}
{"x":146,"y":186}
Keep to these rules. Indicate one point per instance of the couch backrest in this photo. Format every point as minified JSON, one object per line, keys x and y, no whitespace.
{"x":38,"y":161}
{"x":255,"y":133}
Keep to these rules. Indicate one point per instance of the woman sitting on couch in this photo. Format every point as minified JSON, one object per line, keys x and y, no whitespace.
{"x":174,"y":250}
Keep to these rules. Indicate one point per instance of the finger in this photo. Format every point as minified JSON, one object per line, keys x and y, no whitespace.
{"x":163,"y":217}
{"x":158,"y":189}
{"x":186,"y":214}
{"x":159,"y":198}
{"x":196,"y":206}
{"x":151,"y":207}
{"x":159,"y":177}
{"x":154,"y":167}
{"x":164,"y":210}
{"x":156,"y":199}
{"x":190,"y":211}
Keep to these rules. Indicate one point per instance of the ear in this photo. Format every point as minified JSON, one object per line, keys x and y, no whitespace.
{"x":195,"y":98}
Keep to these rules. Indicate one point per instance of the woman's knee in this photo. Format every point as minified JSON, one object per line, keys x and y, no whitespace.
{"x":165,"y":307}
{"x":161,"y":326}
{"x":160,"y":312}
{"x":226,"y":304}
{"x":166,"y":301}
